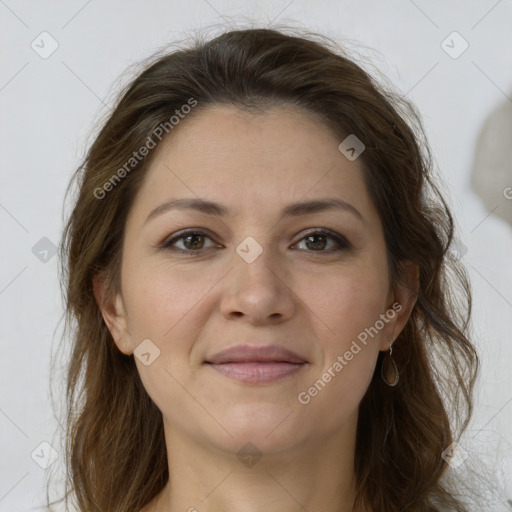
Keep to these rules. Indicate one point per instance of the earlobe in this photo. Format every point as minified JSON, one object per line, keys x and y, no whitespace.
{"x":113,"y":314}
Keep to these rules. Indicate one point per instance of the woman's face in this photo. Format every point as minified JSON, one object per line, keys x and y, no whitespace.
{"x":313,"y":281}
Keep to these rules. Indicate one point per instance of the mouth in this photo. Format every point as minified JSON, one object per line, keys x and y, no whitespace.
{"x":257,"y":372}
{"x":257,"y":365}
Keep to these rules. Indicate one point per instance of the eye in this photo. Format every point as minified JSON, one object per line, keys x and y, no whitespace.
{"x":317,"y":241}
{"x":193,"y":241}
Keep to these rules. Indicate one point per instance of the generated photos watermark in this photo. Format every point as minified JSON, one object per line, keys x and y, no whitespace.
{"x":137,"y":156}
{"x":304,"y":397}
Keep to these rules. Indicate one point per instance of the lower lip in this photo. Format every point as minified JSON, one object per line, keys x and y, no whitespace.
{"x":257,"y":373}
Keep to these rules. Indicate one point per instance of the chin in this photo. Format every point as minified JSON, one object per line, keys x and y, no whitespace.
{"x":271,"y":427}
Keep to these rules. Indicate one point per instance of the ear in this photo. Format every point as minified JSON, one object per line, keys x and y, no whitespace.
{"x":401,"y":301}
{"x":113,"y":312}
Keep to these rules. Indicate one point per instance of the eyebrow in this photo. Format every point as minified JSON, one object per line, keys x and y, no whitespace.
{"x":219,"y":210}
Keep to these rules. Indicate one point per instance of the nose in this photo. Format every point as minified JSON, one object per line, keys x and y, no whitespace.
{"x":258,"y":292}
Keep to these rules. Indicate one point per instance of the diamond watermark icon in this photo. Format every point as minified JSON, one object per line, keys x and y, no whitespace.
{"x":146,"y":352}
{"x":351,"y":147}
{"x":454,"y":45}
{"x":458,"y":249}
{"x":44,"y":45}
{"x":44,"y":249}
{"x":455,"y":455}
{"x":44,"y":455}
{"x":249,"y":249}
{"x":249,"y":455}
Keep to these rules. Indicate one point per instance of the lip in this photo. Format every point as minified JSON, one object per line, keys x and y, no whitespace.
{"x":256,"y":354}
{"x":256,"y":365}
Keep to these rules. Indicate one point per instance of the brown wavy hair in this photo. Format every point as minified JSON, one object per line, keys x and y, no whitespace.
{"x":115,"y":449}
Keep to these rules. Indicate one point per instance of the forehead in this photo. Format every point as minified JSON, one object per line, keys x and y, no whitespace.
{"x":246,"y":159}
{"x":261,"y":140}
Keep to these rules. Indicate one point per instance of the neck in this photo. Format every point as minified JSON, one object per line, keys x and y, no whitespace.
{"x":315,"y":475}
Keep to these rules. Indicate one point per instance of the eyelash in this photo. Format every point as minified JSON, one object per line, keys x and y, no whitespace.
{"x":342,"y":242}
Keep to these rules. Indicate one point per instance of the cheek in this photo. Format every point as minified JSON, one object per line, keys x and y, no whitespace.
{"x":349,"y":304}
{"x":348,"y":301}
{"x":160,"y":300}
{"x":163,"y":304}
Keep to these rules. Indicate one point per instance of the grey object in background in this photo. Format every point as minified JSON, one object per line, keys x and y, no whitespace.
{"x":491,"y":175}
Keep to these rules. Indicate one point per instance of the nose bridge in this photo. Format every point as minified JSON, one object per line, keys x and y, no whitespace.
{"x":256,"y":287}
{"x":256,"y":263}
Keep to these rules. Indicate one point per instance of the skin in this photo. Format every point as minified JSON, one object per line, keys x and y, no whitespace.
{"x":306,"y":296}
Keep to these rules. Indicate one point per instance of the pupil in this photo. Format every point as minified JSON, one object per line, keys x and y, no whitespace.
{"x":322,"y":243}
{"x":193,"y":237}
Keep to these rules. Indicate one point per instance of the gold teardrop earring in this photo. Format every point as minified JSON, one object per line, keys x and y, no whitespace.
{"x":388,"y":369}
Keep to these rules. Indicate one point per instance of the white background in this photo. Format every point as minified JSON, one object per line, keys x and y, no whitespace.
{"x":47,"y":110}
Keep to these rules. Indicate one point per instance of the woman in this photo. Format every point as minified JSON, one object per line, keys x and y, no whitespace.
{"x":264,"y":304}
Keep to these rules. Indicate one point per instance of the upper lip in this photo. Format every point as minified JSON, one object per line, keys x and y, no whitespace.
{"x":251,"y":353}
